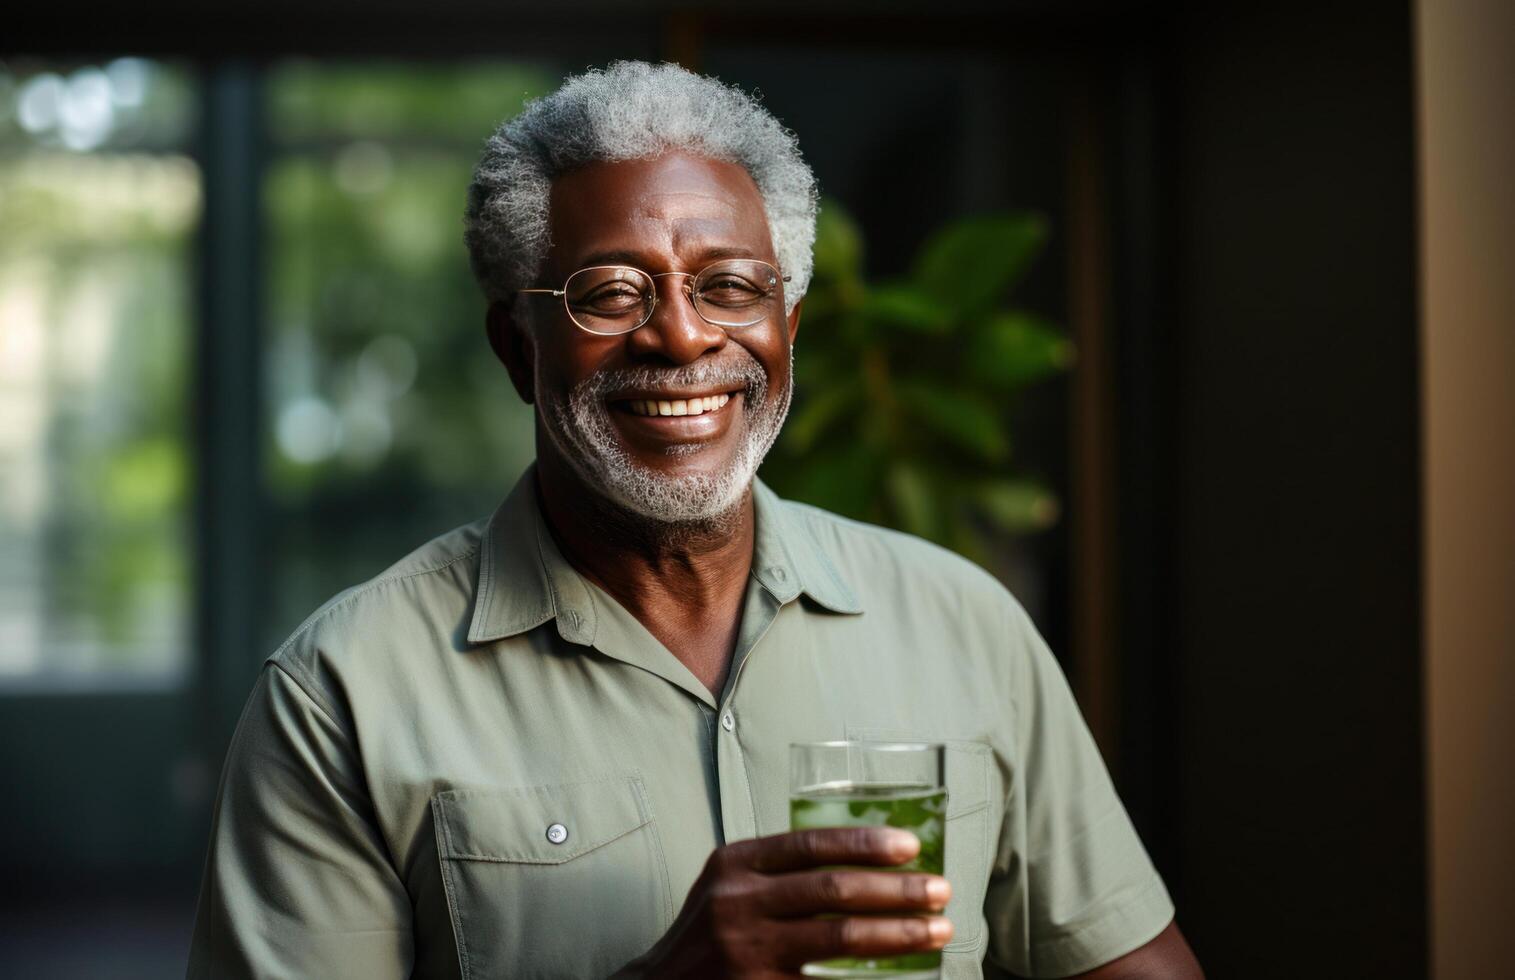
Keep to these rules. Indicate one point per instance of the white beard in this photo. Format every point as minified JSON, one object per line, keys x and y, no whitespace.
{"x":579,"y":424}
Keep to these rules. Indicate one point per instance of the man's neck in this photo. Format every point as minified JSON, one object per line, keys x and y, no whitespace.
{"x":683,"y":581}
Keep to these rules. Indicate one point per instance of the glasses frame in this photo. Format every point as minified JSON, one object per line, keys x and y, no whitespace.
{"x":687,"y":290}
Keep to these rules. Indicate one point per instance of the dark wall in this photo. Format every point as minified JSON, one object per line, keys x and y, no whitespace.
{"x":1286,"y":636}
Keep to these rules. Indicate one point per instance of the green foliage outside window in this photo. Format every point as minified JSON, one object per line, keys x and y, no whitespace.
{"x":388,"y":420}
{"x":99,"y":203}
{"x":906,"y":389}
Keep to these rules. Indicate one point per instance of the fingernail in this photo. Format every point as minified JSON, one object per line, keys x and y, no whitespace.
{"x":938,"y":891}
{"x":904,"y":840}
{"x":940,"y":929}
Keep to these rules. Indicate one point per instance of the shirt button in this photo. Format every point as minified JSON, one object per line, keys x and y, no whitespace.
{"x":778,"y":573}
{"x":557,"y":833}
{"x":728,"y":721}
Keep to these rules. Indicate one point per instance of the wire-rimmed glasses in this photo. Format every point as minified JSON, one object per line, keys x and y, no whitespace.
{"x":616,"y":299}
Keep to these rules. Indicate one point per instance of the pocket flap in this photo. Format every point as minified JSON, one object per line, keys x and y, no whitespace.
{"x":537,"y":824}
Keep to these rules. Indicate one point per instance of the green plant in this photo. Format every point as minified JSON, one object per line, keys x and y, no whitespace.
{"x":905,"y":389}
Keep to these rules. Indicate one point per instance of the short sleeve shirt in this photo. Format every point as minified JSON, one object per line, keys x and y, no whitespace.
{"x":480,"y":765}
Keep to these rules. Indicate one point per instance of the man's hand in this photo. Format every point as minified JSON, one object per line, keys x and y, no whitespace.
{"x":754,"y":910}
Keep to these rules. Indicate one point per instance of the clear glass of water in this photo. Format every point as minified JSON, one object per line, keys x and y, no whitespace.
{"x":874,"y":784}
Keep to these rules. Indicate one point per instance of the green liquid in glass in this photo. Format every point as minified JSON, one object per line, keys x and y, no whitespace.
{"x":922,"y":810}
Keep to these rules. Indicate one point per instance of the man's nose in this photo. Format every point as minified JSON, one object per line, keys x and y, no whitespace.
{"x":676,"y":332}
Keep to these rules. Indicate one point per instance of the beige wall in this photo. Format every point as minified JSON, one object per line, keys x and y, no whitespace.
{"x":1466,"y":109}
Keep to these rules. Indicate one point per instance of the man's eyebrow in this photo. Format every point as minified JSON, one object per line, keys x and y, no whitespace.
{"x":623,"y":256}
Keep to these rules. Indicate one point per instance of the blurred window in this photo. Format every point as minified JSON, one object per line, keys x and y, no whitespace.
{"x":388,"y":418}
{"x":99,"y":202}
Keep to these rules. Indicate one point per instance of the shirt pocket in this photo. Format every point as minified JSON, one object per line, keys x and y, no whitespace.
{"x":564,"y":880}
{"x":968,"y":857}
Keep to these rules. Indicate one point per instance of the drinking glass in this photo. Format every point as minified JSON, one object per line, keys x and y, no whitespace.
{"x":874,"y":784}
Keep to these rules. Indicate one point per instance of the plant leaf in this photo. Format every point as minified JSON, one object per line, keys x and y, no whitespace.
{"x":812,"y":417}
{"x":971,"y":264}
{"x":910,"y":492}
{"x":1009,"y":350}
{"x":838,"y":245}
{"x":1016,"y":506}
{"x":963,"y":419}
{"x":845,"y":481}
{"x":905,"y":307}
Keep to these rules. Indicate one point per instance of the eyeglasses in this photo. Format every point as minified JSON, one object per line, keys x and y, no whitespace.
{"x":616,"y":299}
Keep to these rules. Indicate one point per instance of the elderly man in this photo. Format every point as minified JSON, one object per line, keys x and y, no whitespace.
{"x":554,"y":743}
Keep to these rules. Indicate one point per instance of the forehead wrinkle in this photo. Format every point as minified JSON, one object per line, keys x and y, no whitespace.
{"x":655,"y":244}
{"x":672,"y":217}
{"x":697,"y":246}
{"x":672,"y":205}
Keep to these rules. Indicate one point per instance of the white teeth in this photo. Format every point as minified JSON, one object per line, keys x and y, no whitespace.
{"x":678,"y":406}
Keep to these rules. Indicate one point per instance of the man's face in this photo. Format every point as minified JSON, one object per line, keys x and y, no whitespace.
{"x":675,"y":213}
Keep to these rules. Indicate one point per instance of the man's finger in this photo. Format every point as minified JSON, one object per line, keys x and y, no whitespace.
{"x":801,"y":849}
{"x":806,"y":940}
{"x":839,"y":890}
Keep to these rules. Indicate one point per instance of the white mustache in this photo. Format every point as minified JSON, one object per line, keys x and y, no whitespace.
{"x":747,"y":374}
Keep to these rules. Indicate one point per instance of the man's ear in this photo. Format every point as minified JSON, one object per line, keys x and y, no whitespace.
{"x":512,"y":344}
{"x":794,"y":319}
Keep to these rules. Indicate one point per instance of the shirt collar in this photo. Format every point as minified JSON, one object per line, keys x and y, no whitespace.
{"x":788,"y":557}
{"x":524,"y":580}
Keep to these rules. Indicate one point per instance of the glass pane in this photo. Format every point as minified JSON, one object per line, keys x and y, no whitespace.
{"x":99,"y":203}
{"x":389,"y":420}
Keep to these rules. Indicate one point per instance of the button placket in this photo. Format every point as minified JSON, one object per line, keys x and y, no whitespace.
{"x":738,"y":807}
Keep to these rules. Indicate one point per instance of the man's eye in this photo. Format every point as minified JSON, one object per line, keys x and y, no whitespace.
{"x":614,"y":298}
{"x":729,"y":291}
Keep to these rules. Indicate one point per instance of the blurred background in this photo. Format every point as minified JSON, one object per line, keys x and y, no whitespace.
{"x":1223,"y":400}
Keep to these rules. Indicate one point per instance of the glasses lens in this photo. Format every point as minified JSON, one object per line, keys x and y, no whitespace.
{"x":736,"y":293}
{"x":609,"y":299}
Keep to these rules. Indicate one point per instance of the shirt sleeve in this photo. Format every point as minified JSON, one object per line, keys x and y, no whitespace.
{"x":1072,"y":888}
{"x":297,"y":882}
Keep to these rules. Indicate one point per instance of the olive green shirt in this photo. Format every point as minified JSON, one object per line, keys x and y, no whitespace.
{"x":479,"y":764}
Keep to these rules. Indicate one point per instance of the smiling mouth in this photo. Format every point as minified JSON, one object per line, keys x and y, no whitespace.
{"x":677,"y":406}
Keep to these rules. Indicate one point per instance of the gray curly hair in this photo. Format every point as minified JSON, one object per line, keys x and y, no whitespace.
{"x":630,"y":110}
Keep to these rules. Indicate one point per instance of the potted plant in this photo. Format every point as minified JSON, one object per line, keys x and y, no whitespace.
{"x":905,"y":389}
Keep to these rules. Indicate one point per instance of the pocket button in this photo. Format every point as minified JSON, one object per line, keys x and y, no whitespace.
{"x":557,"y":833}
